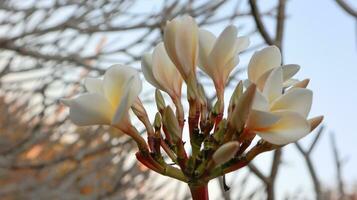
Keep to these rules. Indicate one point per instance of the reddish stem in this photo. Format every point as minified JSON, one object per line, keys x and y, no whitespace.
{"x":199,"y":192}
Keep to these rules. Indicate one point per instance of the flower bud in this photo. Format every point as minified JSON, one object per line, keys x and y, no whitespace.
{"x":241,"y":111}
{"x":138,"y":108}
{"x":160,"y":102}
{"x":238,"y":91}
{"x":202,"y":94}
{"x":170,"y":122}
{"x":157,"y":121}
{"x":316,"y":121}
{"x":219,"y":134}
{"x":225,"y":152}
{"x":192,"y":89}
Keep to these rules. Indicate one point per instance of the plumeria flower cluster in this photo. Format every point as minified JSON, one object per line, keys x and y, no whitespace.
{"x":269,"y":105}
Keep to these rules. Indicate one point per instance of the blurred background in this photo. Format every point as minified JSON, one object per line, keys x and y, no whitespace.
{"x":48,"y":46}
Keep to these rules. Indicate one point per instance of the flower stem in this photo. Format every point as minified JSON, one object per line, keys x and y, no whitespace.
{"x":199,"y":192}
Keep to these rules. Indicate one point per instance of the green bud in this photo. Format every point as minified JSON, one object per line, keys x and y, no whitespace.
{"x":225,"y":152}
{"x":192,"y":89}
{"x":202,"y":94}
{"x":170,"y":122}
{"x":160,"y":102}
{"x":219,"y":134}
{"x":157,"y":121}
{"x":238,"y":91}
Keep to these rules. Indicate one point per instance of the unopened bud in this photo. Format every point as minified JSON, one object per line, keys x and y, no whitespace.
{"x":138,"y":108}
{"x":242,"y":109}
{"x":157,"y":121}
{"x":219,"y":134}
{"x":225,"y":152}
{"x":160,"y":102}
{"x":192,"y":89}
{"x":301,"y":84}
{"x":238,"y":91}
{"x":315,"y":122}
{"x":202,"y":94}
{"x":170,"y":122}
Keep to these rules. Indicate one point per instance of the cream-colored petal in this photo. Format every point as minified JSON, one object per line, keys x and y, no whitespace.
{"x":242,"y":43}
{"x":89,"y":109}
{"x":170,"y":41}
{"x":228,"y":68}
{"x":186,"y":43}
{"x":262,"y":61}
{"x":259,"y":120}
{"x":260,"y":102}
{"x":290,"y":128}
{"x":206,"y":43}
{"x":224,"y":48}
{"x":131,"y":91}
{"x":315,"y":122}
{"x":301,"y":84}
{"x":94,"y":85}
{"x":115,"y":80}
{"x":165,"y":72}
{"x":290,"y":82}
{"x":289,"y":71}
{"x":273,"y":87}
{"x":263,"y":78}
{"x":298,"y":100}
{"x":146,"y":67}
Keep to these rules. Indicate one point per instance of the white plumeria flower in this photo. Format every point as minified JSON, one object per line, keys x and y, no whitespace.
{"x":181,"y":43}
{"x":218,"y":56}
{"x":262,"y":64}
{"x":280,"y":118}
{"x":107,"y":101}
{"x":159,"y":70}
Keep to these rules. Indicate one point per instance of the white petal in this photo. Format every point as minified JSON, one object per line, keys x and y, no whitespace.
{"x":89,"y":109}
{"x":289,"y":71}
{"x":242,"y":43}
{"x":146,"y":67}
{"x":301,"y":84}
{"x":298,"y":100}
{"x":273,"y":87}
{"x":224,"y":48}
{"x":260,"y":120}
{"x":94,"y":85}
{"x":290,"y":82}
{"x":165,"y":72}
{"x":290,"y":128}
{"x":260,"y":102}
{"x":206,"y":43}
{"x":262,"y":61}
{"x":229,"y":67}
{"x":170,"y":40}
{"x":115,"y":81}
{"x":131,"y":92}
{"x":186,"y":43}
